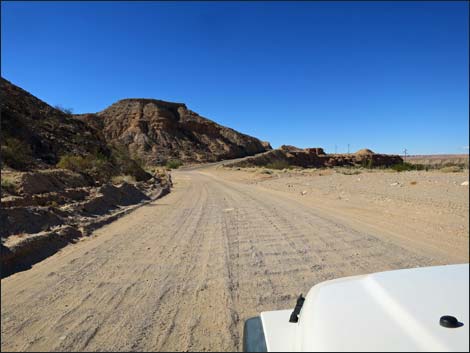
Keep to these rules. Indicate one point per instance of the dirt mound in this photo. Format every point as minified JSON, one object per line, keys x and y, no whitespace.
{"x":109,"y":197}
{"x":18,"y":220}
{"x":157,"y":131}
{"x":44,"y":181}
{"x":364,"y":152}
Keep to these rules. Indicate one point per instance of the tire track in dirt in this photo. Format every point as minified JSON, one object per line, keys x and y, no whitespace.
{"x":184,"y":272}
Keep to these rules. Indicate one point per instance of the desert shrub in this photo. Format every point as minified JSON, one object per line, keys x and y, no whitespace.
{"x":350,"y":171}
{"x":461,"y":165}
{"x":451,"y":169}
{"x":367,"y":163}
{"x":76,"y":164}
{"x":413,"y":182}
{"x":63,"y":109}
{"x":127,"y":165}
{"x":421,"y":167}
{"x":278,"y":165}
{"x":53,"y":204}
{"x":401,"y":167}
{"x":102,"y":168}
{"x":98,"y":166}
{"x":15,"y":153}
{"x":174,"y":164}
{"x":413,"y":166}
{"x":8,"y":185}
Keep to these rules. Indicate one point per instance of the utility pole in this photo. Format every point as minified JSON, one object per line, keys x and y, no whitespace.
{"x":336,"y":149}
{"x":348,"y":148}
{"x":405,"y":151}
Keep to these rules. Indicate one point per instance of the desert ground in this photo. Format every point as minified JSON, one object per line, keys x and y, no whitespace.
{"x":185,"y":271}
{"x":439,"y":159}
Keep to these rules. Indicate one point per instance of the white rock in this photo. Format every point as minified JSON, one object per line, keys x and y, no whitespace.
{"x":303,"y":193}
{"x":465,"y":183}
{"x":395,"y":184}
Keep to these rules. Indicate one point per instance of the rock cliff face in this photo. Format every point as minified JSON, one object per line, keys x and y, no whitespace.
{"x":157,"y":131}
{"x":317,"y":158}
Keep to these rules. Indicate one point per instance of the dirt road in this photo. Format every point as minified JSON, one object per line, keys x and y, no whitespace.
{"x":184,"y":272}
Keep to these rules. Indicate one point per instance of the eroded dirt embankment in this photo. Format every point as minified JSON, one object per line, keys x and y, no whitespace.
{"x":52,"y":208}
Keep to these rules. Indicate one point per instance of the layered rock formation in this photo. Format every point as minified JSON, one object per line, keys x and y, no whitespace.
{"x":317,"y":158}
{"x":153,"y":131}
{"x":157,"y":131}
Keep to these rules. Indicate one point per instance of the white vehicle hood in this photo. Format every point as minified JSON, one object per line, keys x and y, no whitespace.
{"x":387,"y":311}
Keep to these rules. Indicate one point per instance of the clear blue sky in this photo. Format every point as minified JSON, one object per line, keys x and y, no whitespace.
{"x":381,"y":75}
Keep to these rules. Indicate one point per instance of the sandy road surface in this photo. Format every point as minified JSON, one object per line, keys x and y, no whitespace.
{"x":184,"y":272}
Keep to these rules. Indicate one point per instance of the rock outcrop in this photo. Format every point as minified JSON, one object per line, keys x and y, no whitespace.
{"x":157,"y":131}
{"x":317,"y":158}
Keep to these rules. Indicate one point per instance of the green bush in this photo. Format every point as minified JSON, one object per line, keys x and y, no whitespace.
{"x":16,"y":154}
{"x":97,"y":166}
{"x":401,"y":167}
{"x":8,"y":186}
{"x":421,"y":167}
{"x":174,"y":164}
{"x":76,"y":164}
{"x":278,"y":165}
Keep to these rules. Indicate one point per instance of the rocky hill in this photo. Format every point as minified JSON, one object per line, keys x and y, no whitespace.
{"x":151,"y":130}
{"x":157,"y":131}
{"x":35,"y":135}
{"x":43,"y":132}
